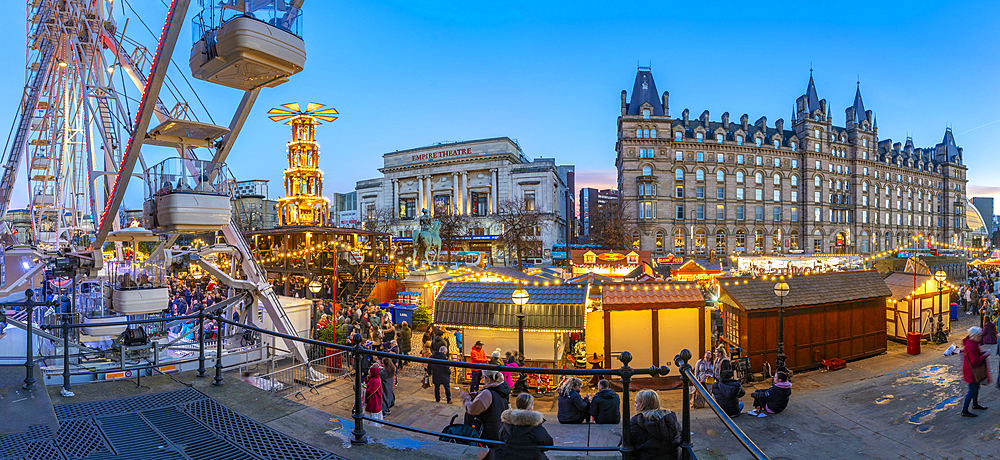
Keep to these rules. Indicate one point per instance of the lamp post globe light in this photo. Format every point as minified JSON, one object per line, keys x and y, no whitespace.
{"x":315,"y":286}
{"x":939,"y":335}
{"x":520,"y":297}
{"x":781,"y":290}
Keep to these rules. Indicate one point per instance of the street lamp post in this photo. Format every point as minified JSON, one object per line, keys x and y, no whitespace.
{"x":939,"y":335}
{"x":781,"y":290}
{"x":520,"y":297}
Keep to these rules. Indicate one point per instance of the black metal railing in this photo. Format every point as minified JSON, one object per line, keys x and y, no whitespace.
{"x":687,"y":377}
{"x":358,"y":353}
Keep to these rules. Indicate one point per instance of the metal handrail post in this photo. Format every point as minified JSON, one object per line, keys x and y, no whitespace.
{"x":201,"y":342}
{"x":66,"y":389}
{"x":218,"y":381}
{"x":626,"y":375}
{"x":358,"y":433}
{"x":681,"y":361}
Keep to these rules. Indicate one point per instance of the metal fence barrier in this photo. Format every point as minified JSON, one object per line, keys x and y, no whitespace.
{"x":292,"y":381}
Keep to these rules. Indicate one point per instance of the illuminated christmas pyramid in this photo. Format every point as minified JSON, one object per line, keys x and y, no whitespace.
{"x":303,"y":203}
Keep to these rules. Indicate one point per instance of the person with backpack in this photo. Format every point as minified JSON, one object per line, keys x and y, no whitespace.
{"x":489,"y":403}
{"x":521,"y":429}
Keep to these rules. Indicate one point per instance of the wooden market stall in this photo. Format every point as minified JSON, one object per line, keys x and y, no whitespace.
{"x":693,"y":271}
{"x":484,"y":311}
{"x":653,"y":321}
{"x":915,"y":299}
{"x":829,"y":315}
{"x":615,"y":264}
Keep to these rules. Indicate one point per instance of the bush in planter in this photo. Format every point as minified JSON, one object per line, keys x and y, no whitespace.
{"x":421,"y":317}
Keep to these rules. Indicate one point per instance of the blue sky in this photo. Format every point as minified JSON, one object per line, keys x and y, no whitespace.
{"x":406,"y":74}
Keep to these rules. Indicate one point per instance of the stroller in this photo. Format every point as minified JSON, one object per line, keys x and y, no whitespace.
{"x":462,"y":429}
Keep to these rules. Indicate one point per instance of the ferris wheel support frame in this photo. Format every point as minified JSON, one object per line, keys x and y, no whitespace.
{"x":150,"y":96}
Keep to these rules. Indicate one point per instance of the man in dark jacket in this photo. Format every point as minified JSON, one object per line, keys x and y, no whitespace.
{"x":727,"y":391}
{"x":604,"y":407}
{"x":440,"y":375}
{"x":405,"y":338}
{"x":772,"y":400}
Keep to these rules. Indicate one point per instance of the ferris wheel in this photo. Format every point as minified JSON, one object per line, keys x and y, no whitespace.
{"x":94,"y":95}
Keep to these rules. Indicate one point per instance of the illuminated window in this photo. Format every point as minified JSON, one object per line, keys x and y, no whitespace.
{"x":678,"y":240}
{"x":720,"y":241}
{"x":659,"y":241}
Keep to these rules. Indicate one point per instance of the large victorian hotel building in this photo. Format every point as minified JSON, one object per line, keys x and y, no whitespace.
{"x":731,"y":186}
{"x":473,"y":178}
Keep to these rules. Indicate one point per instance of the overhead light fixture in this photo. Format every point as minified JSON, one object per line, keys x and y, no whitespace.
{"x":62,"y":63}
{"x":111,"y":69}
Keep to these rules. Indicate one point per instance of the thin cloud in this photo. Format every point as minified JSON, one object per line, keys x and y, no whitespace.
{"x":979,"y":190}
{"x":601,"y":179}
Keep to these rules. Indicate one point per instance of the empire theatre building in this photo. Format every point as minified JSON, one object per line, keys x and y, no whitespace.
{"x":806,"y":185}
{"x":471,"y":178}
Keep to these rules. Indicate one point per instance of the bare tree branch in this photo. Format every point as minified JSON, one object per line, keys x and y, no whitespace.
{"x":610,"y":224}
{"x":453,"y":226}
{"x":518,"y":226}
{"x":381,"y":219}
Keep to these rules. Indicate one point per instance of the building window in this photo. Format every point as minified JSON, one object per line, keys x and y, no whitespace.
{"x":795,"y":214}
{"x":659,"y":240}
{"x":741,"y":240}
{"x":699,"y":241}
{"x":645,"y":113}
{"x":720,"y":158}
{"x":739,"y":140}
{"x":739,"y":193}
{"x":758,"y":178}
{"x":816,"y":197}
{"x":760,"y":161}
{"x":478,"y":202}
{"x":647,"y":171}
{"x":759,"y":194}
{"x":699,"y":192}
{"x":720,"y":176}
{"x":740,"y":212}
{"x":678,"y":136}
{"x":679,"y":212}
{"x":739,"y":159}
{"x":529,"y":200}
{"x":652,"y":133}
{"x":635,"y":239}
{"x":795,"y":196}
{"x":407,"y":208}
{"x":699,"y":175}
{"x":443,"y":202}
{"x":739,"y":177}
{"x":720,"y":241}
{"x":679,"y":191}
{"x":777,"y":195}
{"x":816,"y":133}
{"x":817,"y":215}
{"x":792,"y":145}
{"x":699,"y":137}
{"x":816,"y":147}
{"x":718,"y":138}
{"x":777,"y":214}
{"x":720,"y":193}
{"x":700,"y":156}
{"x":758,"y":213}
{"x":758,"y":240}
{"x":777,"y":144}
{"x":700,"y":212}
{"x":864,"y":142}
{"x":795,"y":180}
{"x":679,"y":156}
{"x":720,"y":212}
{"x":758,"y":141}
{"x":647,"y":210}
{"x":679,"y":240}
{"x":818,"y":245}
{"x":679,"y":174}
{"x":589,"y":258}
{"x":794,"y":239}
{"x":777,"y":179}
{"x":638,"y":133}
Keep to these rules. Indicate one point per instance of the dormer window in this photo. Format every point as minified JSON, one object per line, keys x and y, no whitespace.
{"x":792,"y":145}
{"x":645,"y":112}
{"x":758,"y":141}
{"x":678,"y":136}
{"x":739,"y":140}
{"x":718,"y":138}
{"x":589,"y":257}
{"x":777,"y":144}
{"x":633,"y":258}
{"x":700,"y":137}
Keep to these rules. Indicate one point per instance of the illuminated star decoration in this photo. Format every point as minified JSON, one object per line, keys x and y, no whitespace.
{"x":312,"y":109}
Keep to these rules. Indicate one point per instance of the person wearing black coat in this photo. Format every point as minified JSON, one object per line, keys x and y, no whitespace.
{"x":727,"y":391}
{"x":440,"y":375}
{"x":772,"y":400}
{"x":604,"y":406}
{"x":655,"y":432}
{"x":573,"y":408}
{"x":521,"y":429}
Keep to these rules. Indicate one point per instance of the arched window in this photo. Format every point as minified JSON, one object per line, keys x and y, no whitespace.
{"x":638,"y":133}
{"x":777,"y":179}
{"x":758,"y":240}
{"x":635,"y":239}
{"x":647,"y":171}
{"x":679,"y":240}
{"x":864,"y":186}
{"x":864,"y":142}
{"x":699,"y":241}
{"x":795,"y":180}
{"x":720,"y":241}
{"x":741,"y":240}
{"x":816,"y":181}
{"x":758,"y":178}
{"x":739,"y":177}
{"x":699,"y":175}
{"x":793,"y":238}
{"x":888,"y":240}
{"x":838,"y":184}
{"x":679,"y":174}
{"x":776,"y":240}
{"x":720,"y":176}
{"x":652,"y":133}
{"x":659,"y":240}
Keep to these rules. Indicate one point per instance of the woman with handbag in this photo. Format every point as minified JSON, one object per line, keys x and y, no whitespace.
{"x":974,"y":369}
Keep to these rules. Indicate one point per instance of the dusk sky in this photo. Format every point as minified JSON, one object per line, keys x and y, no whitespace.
{"x":410,"y":74}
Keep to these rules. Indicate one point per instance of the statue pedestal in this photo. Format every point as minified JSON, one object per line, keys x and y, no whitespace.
{"x":421,"y":280}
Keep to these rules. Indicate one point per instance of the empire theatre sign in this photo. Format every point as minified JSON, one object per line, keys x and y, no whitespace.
{"x":440,"y":155}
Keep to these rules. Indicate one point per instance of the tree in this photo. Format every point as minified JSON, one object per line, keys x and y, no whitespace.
{"x":453,"y":226}
{"x":518,"y":227}
{"x":610,"y":229}
{"x":381,"y":219}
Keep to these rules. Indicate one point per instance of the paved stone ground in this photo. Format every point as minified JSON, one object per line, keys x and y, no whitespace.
{"x":890,"y":406}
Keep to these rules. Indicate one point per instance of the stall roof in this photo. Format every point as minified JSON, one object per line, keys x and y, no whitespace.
{"x":824,"y":288}
{"x":590,"y":277}
{"x":515,"y":274}
{"x":901,"y":284}
{"x":488,"y":305}
{"x":647,"y":296}
{"x":315,"y":229}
